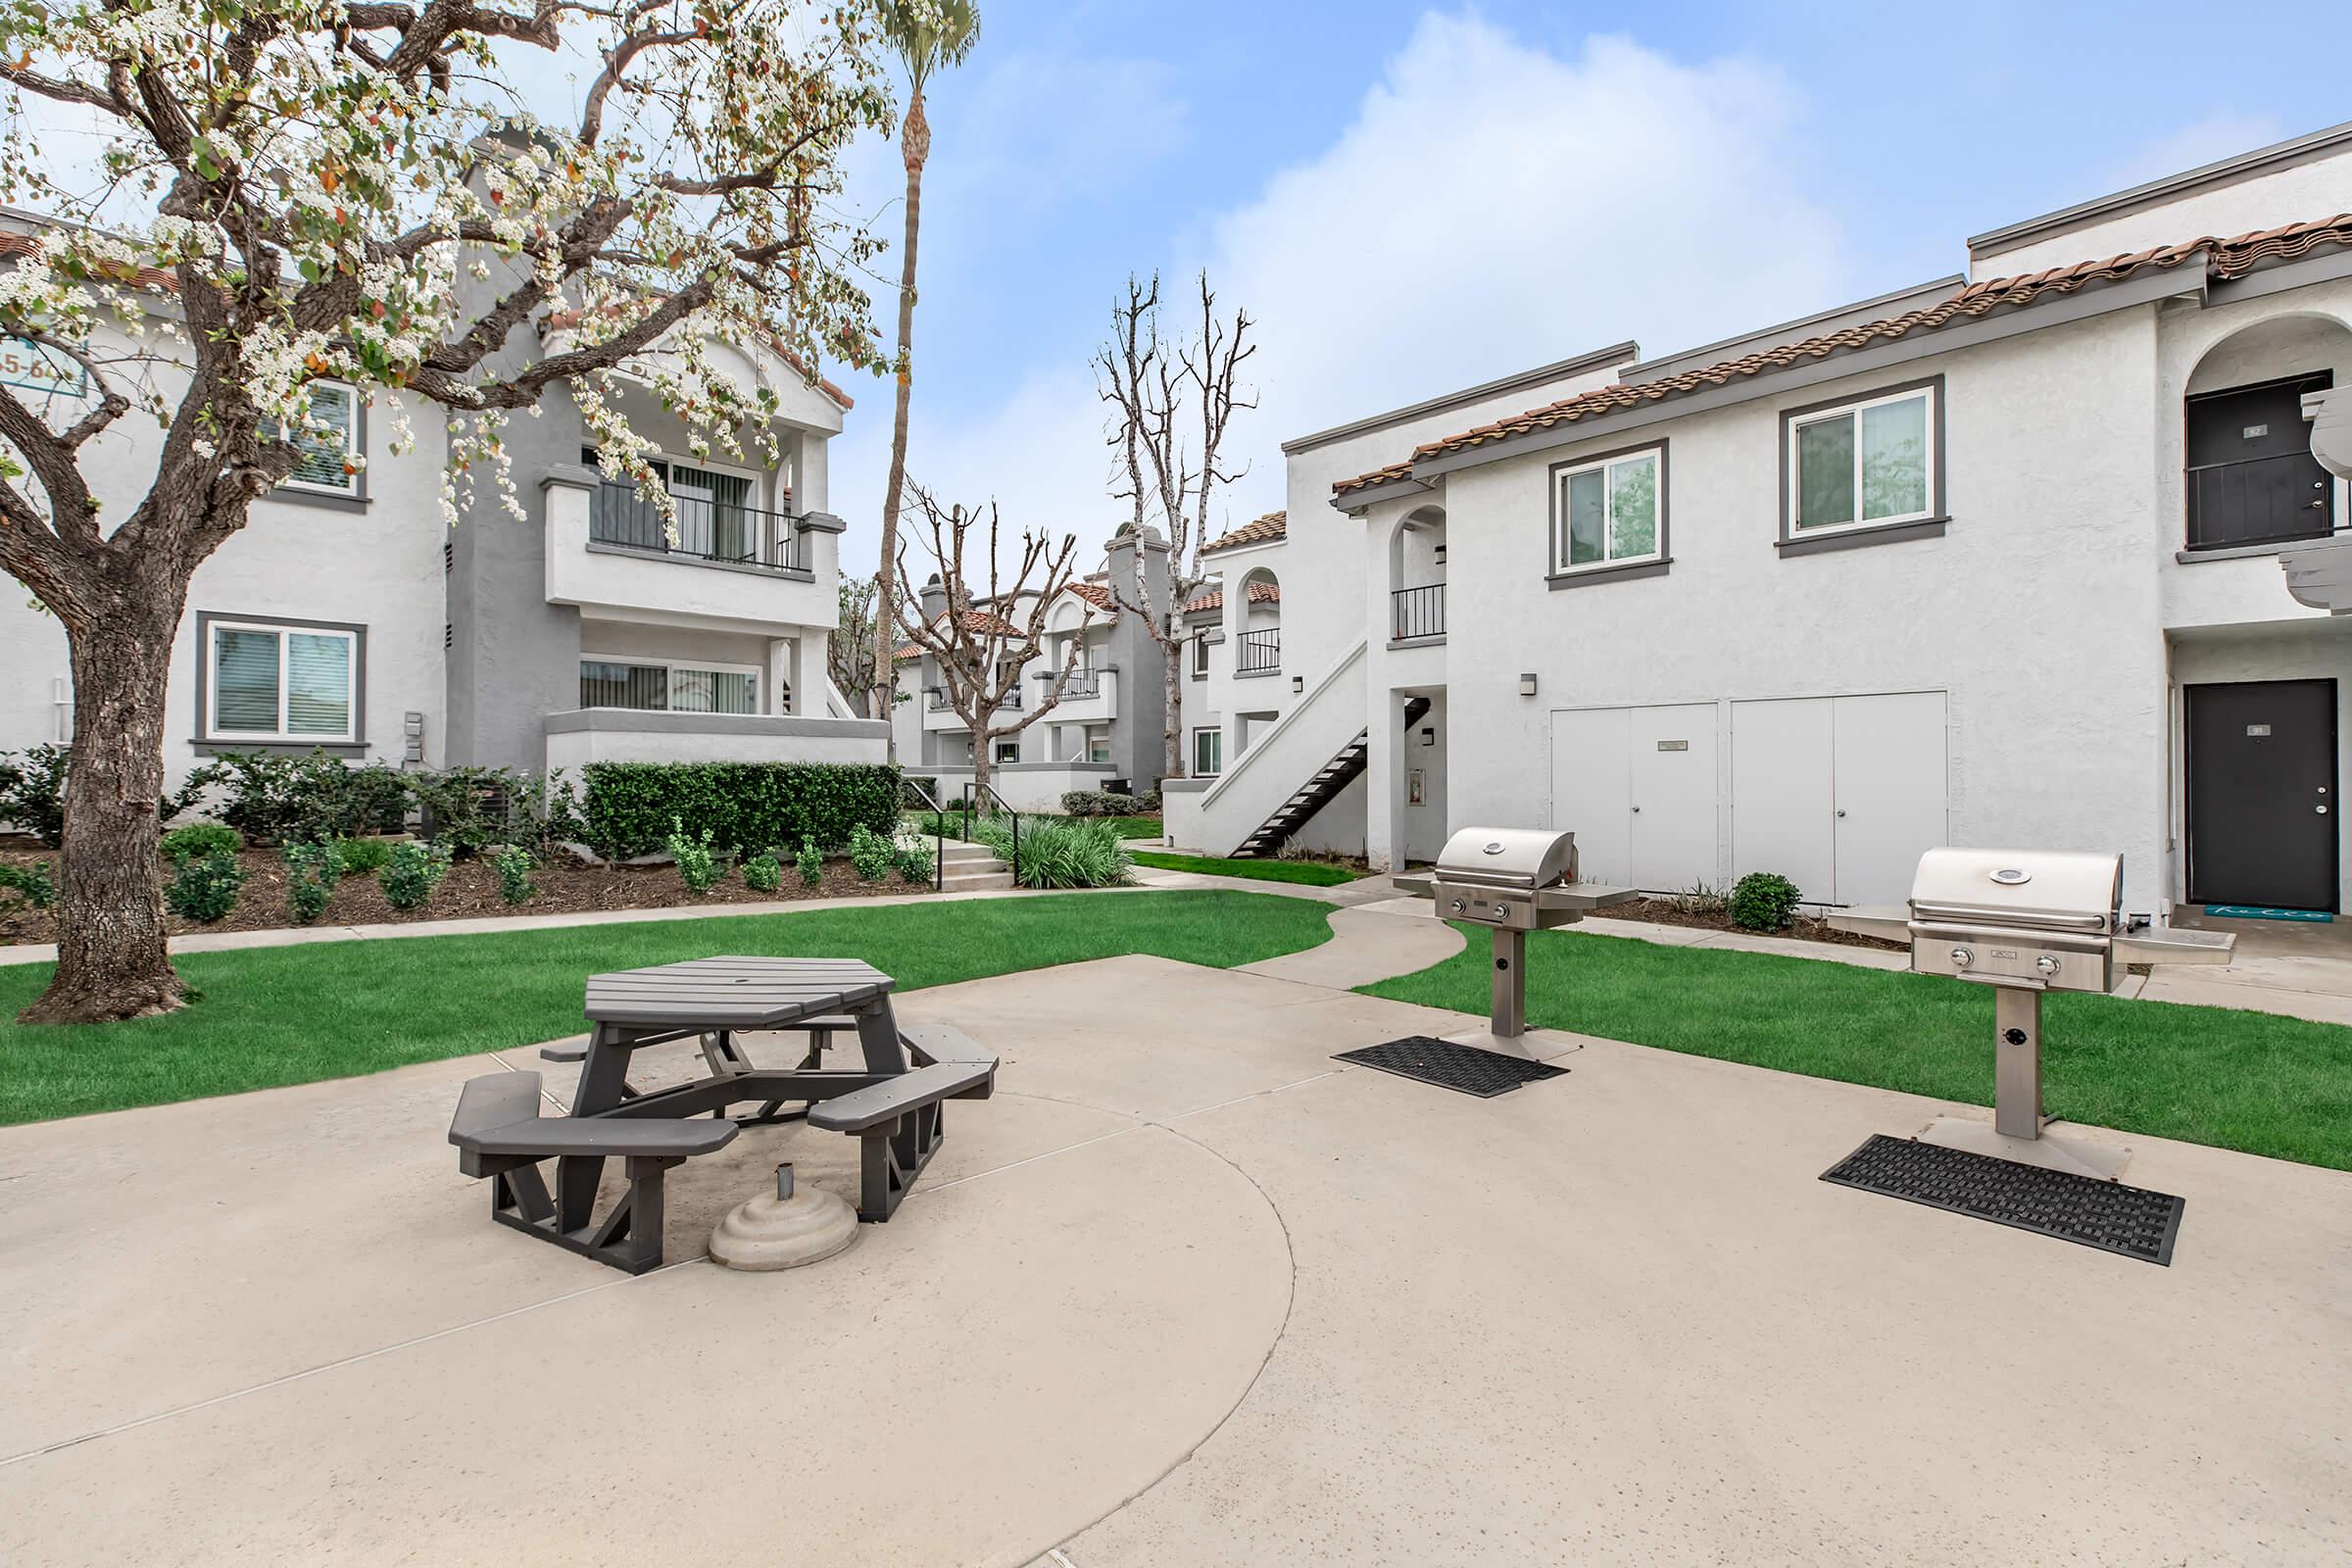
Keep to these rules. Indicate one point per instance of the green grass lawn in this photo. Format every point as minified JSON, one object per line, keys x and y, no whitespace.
{"x":1138,"y":827}
{"x":1308,"y":872}
{"x":2249,"y":1081}
{"x":287,"y":1015}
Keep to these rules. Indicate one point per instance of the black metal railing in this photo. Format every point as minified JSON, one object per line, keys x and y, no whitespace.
{"x":707,"y":530}
{"x":939,"y":704}
{"x":2258,"y":501}
{"x":999,"y":803}
{"x":1418,"y":612}
{"x":1082,"y":684}
{"x":939,"y":828}
{"x":1259,"y":649}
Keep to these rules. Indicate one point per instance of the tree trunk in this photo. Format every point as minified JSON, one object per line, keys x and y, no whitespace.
{"x":1173,"y":647}
{"x":915,"y":144}
{"x":981,"y":759}
{"x":112,"y":962}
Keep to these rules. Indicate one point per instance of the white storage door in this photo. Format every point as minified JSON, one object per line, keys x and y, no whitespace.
{"x":1782,"y":794}
{"x":1890,"y":764}
{"x":1674,"y":839}
{"x":1589,"y":785}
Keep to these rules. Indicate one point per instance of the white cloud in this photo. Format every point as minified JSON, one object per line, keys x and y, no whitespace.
{"x":2205,"y":141}
{"x":1493,"y":204}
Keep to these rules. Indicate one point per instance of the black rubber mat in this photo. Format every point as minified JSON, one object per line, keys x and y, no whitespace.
{"x":2108,"y":1215}
{"x":1468,"y":1068}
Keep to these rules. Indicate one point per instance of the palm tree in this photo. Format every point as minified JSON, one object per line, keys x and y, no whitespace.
{"x":929,"y":38}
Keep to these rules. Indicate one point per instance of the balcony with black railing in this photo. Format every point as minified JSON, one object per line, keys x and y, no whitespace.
{"x":1258,"y":653}
{"x":1417,"y":613}
{"x":707,"y":531}
{"x":2252,"y":502}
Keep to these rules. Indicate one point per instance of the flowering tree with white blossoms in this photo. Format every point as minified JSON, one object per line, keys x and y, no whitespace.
{"x":347,"y":190}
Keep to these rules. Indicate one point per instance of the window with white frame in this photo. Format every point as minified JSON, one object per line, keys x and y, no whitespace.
{"x":657,"y":687}
{"x":1867,"y":464}
{"x":329,"y":442}
{"x":276,"y":682}
{"x":1609,"y":512}
{"x":1200,"y":654}
{"x":1208,"y":752}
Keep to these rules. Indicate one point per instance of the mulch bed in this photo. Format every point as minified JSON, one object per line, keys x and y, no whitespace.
{"x":1805,"y":928}
{"x":470,"y":890}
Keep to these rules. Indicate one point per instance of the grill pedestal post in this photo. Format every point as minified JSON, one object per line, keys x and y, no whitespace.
{"x":1506,"y":1015}
{"x":2017,"y":1061}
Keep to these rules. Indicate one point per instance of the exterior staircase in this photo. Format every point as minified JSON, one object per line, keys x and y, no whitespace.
{"x":970,"y":868}
{"x":1319,"y":791}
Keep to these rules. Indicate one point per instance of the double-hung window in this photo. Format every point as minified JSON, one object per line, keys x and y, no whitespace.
{"x":651,"y":686}
{"x":1609,"y":511}
{"x":282,"y":683}
{"x":1208,"y":752}
{"x":329,"y":442}
{"x":1199,"y":654}
{"x":1870,"y":464}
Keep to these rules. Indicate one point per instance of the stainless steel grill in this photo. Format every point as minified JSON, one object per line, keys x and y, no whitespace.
{"x":1515,"y":880}
{"x":2027,"y":922}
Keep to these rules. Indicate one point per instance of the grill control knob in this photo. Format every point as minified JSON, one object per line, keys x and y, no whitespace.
{"x":2046,"y":964}
{"x":1457,"y":905}
{"x":1962,"y":958}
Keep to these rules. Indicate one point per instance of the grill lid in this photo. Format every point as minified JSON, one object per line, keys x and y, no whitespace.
{"x":1507,"y":857}
{"x":2051,"y":889}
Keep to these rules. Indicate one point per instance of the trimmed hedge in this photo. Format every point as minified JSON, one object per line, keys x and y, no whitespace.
{"x":629,"y":809}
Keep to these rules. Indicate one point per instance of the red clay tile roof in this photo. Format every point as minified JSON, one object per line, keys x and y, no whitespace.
{"x":2224,"y":259}
{"x":985,"y":622}
{"x":1097,"y":594}
{"x":1261,"y":593}
{"x":1273,"y":525}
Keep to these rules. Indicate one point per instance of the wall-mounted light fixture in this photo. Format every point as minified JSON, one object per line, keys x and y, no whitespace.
{"x":1298,"y":683}
{"x":1527,"y":684}
{"x":1438,"y":554}
{"x":1429,"y":737}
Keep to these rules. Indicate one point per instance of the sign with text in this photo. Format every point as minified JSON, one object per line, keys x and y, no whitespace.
{"x":36,"y":367}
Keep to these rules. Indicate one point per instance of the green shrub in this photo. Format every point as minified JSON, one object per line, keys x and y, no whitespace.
{"x":629,"y":807}
{"x":914,"y":860}
{"x":1100,"y":803}
{"x":33,"y":792}
{"x":1763,"y":901}
{"x":514,"y":866}
{"x":1147,"y":802}
{"x":204,"y":888}
{"x":1062,"y":852}
{"x":30,"y":883}
{"x":413,"y":872}
{"x":273,"y":799}
{"x":764,"y":872}
{"x":698,"y":866}
{"x":312,"y":868}
{"x":871,"y":854}
{"x":475,"y":809}
{"x":200,"y":839}
{"x":913,"y":789}
{"x":363,"y":856}
{"x":810,"y":864}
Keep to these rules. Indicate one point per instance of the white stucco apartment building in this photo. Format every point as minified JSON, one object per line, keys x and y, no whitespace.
{"x":1994,"y":560}
{"x":349,"y":616}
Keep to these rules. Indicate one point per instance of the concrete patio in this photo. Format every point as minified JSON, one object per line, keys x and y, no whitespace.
{"x":1186,"y":1290}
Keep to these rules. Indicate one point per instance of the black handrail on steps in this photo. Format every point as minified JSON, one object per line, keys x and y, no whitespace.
{"x":939,"y":822}
{"x":969,"y":798}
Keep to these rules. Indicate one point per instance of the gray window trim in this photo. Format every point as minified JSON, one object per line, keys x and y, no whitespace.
{"x":1199,"y":730}
{"x":1790,"y":543}
{"x":327,"y":499}
{"x":208,"y":744}
{"x":1612,"y":572}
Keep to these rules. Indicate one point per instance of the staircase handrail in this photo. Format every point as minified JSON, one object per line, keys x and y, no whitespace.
{"x":1259,"y":748}
{"x":939,"y":824}
{"x":971,"y":789}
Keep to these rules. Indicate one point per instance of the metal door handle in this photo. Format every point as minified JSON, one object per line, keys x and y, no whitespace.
{"x":1841,"y":813}
{"x":2321,"y":809}
{"x":1637,"y":811}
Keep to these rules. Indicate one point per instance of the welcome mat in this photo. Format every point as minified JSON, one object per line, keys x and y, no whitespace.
{"x":2107,"y":1215}
{"x":1468,"y":1069}
{"x":2258,"y":912}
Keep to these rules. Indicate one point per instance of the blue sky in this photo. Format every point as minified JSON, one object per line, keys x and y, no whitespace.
{"x":1413,"y":199}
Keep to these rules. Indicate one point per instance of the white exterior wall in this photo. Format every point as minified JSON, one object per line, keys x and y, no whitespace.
{"x":379,"y":568}
{"x":2037,"y":611}
{"x":2296,"y":193}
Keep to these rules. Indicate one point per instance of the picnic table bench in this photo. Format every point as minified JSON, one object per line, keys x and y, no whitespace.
{"x":891,"y":1104}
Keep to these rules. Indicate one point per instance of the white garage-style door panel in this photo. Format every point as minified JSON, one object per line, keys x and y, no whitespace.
{"x":1674,"y":790}
{"x":1591,"y":789}
{"x":1782,"y":794}
{"x":1891,"y":763}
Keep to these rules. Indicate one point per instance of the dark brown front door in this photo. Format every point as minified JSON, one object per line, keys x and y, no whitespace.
{"x":2262,"y":794}
{"x":2252,"y":479}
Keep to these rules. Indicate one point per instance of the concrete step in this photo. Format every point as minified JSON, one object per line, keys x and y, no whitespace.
{"x":958,"y":881}
{"x":968,"y":855}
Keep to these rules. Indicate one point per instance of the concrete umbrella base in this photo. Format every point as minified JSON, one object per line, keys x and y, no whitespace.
{"x":784,"y":1229}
